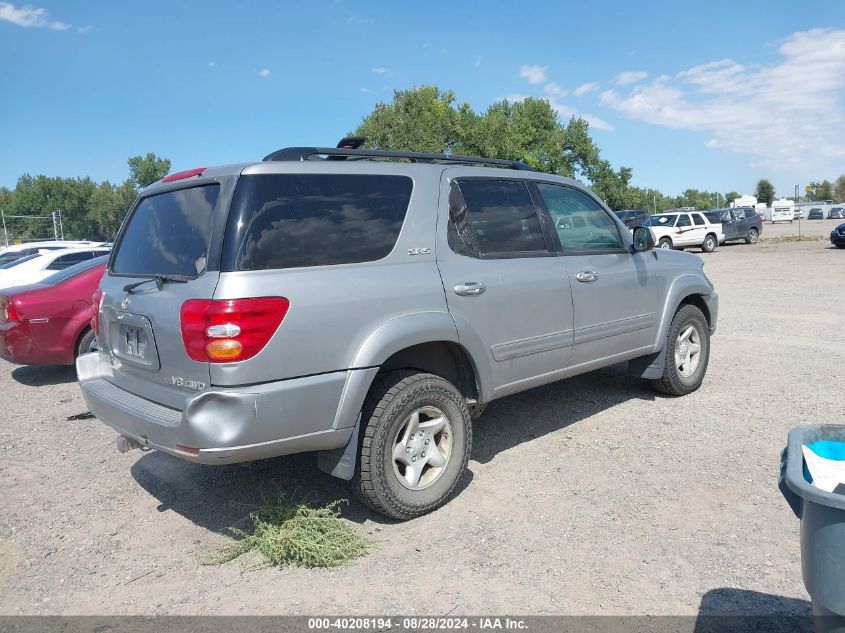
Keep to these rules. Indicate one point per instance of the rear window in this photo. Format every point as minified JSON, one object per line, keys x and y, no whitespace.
{"x":73,"y":271}
{"x":300,"y":220}
{"x":168,"y":234}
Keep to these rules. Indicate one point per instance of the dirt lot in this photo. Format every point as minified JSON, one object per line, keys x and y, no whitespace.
{"x":584,"y":497}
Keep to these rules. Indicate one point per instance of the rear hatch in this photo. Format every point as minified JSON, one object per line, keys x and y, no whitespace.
{"x":163,"y":256}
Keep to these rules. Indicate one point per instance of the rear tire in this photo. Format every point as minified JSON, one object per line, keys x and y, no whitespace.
{"x":709,"y":244}
{"x":840,"y":246}
{"x":414,"y":445}
{"x":753,"y":236}
{"x":687,"y":353}
{"x":87,"y":343}
{"x":665,"y":242}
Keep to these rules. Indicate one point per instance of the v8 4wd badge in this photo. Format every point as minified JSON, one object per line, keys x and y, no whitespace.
{"x":191,"y":385}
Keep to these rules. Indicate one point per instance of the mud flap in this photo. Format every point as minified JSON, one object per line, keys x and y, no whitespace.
{"x":340,"y":462}
{"x":650,"y":366}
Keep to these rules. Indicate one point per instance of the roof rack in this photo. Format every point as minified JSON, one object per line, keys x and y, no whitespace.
{"x":306,"y":153}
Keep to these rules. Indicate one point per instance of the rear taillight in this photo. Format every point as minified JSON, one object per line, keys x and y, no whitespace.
{"x":96,"y":303}
{"x":10,"y":312}
{"x":229,"y":330}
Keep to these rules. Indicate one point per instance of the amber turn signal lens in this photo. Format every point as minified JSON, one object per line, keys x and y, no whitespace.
{"x":223,"y":349}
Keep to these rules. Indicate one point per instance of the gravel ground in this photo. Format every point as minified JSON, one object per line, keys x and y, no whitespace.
{"x":590,"y":496}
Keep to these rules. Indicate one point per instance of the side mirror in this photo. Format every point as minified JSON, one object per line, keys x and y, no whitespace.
{"x":643,"y":240}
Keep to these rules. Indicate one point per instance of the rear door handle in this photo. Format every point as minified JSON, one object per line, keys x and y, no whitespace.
{"x":586,"y":276}
{"x":470,"y":288}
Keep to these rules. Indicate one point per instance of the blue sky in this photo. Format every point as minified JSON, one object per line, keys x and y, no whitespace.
{"x":711,"y":95}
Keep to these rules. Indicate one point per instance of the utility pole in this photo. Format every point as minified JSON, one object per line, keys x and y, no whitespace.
{"x":5,"y":233}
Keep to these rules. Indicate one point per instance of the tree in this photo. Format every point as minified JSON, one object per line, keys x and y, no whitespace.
{"x":765,"y":192}
{"x":145,"y":170}
{"x":819,"y":190}
{"x":839,"y":189}
{"x":426,"y":119}
{"x":730,"y":197}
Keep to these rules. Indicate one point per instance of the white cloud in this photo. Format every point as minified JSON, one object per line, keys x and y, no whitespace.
{"x":630,"y":77}
{"x":29,"y":16}
{"x":555,"y":89}
{"x":84,"y":29}
{"x":264,"y":72}
{"x":365,"y":90}
{"x":585,"y":89}
{"x":379,"y":70}
{"x":211,"y":64}
{"x":477,"y":62}
{"x":534,"y":74}
{"x":781,"y":113}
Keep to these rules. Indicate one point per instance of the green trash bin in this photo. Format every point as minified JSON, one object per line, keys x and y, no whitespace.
{"x":822,"y":517}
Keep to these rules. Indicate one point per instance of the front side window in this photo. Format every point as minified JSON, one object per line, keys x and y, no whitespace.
{"x":298,"y":220}
{"x":168,"y":234}
{"x":581,"y":223}
{"x":666,"y":220}
{"x":493,"y":218}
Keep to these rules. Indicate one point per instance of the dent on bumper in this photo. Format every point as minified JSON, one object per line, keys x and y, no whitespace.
{"x":227,"y":425}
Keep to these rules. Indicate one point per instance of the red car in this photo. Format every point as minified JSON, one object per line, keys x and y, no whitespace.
{"x":49,"y":323}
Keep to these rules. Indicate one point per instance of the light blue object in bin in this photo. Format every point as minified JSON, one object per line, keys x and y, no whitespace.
{"x":829,"y":449}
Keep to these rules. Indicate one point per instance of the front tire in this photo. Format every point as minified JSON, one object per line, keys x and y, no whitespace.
{"x":665,"y":242}
{"x":415,"y":440}
{"x":687,"y":353}
{"x":709,"y":244}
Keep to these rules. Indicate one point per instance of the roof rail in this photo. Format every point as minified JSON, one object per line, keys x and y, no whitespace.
{"x":306,"y":153}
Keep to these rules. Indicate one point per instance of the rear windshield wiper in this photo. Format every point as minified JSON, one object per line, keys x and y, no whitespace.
{"x":159,"y":280}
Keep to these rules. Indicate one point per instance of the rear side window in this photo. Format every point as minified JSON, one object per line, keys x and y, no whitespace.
{"x":494,"y":217}
{"x":168,"y":234}
{"x":298,"y":220}
{"x":60,"y":263}
{"x":698,"y":219}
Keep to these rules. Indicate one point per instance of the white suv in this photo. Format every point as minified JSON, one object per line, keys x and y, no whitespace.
{"x":682,"y":229}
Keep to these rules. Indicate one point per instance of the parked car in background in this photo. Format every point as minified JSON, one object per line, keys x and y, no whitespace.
{"x":837,"y":213}
{"x":798,"y":214}
{"x":49,"y":323}
{"x":738,"y":224}
{"x":297,"y":304}
{"x":37,"y":267}
{"x":837,"y":236}
{"x":815,"y":214}
{"x":680,"y":230}
{"x":632,"y":218}
{"x":16,"y":251}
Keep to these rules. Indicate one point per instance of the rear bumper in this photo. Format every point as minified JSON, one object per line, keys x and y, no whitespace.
{"x":223,"y":425}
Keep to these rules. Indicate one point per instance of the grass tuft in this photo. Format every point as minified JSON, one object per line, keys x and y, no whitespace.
{"x":295,"y":533}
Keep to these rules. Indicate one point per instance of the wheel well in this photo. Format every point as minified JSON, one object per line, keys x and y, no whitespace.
{"x":441,"y":358}
{"x":698,"y":302}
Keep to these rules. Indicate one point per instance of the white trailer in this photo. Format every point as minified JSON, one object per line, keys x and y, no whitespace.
{"x":783,"y":210}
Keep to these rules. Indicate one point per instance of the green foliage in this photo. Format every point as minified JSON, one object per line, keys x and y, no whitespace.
{"x":819,"y":190}
{"x":145,"y":170}
{"x":296,"y":533}
{"x":89,"y":210}
{"x":839,"y":189}
{"x":765,"y":192}
{"x":427,"y":119}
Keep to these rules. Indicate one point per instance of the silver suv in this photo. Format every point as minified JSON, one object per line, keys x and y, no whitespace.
{"x":366,"y":305}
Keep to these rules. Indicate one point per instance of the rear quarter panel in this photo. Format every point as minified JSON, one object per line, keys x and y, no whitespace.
{"x":334,"y":310}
